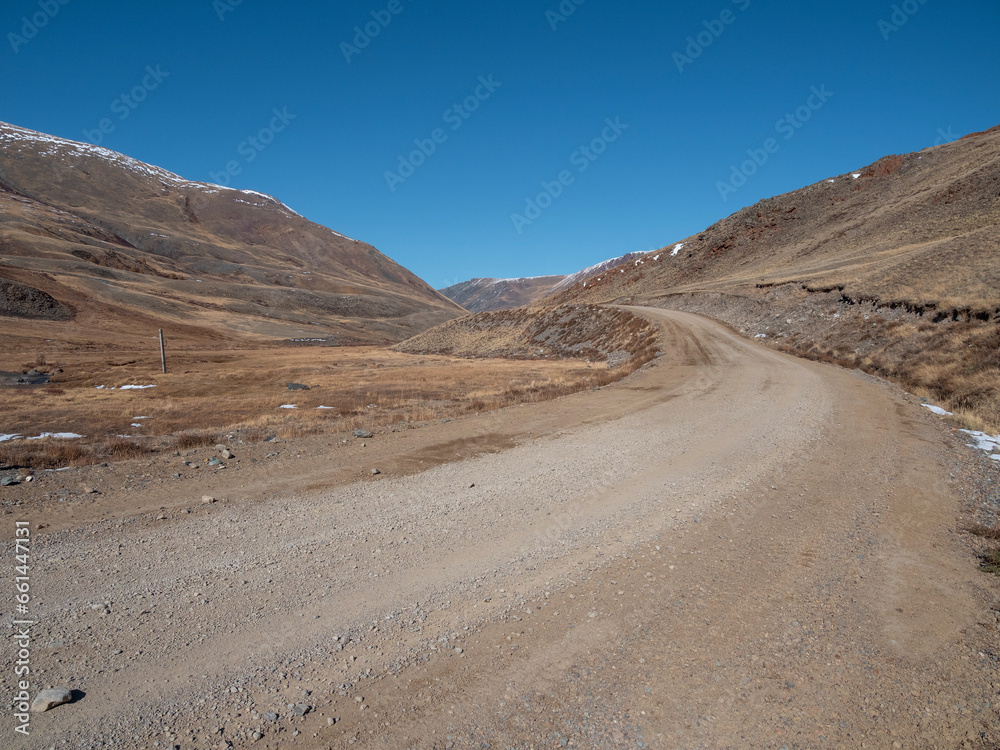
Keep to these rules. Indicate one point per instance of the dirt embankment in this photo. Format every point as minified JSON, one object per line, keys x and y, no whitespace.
{"x":588,"y":332}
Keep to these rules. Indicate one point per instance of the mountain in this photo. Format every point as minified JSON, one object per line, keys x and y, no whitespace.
{"x":595,"y":270}
{"x":892,"y":268}
{"x":916,"y":230}
{"x":484,"y":295}
{"x":97,"y":244}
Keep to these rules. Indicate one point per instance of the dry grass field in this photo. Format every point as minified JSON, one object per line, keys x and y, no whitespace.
{"x":209,"y":396}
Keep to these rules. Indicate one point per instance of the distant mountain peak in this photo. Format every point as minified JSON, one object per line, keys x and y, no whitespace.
{"x":484,"y":294}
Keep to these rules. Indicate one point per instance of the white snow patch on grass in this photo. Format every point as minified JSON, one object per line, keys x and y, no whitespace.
{"x":136,"y":387}
{"x":288,"y":406}
{"x":677,"y":248}
{"x":57,"y":436}
{"x":937,"y":410}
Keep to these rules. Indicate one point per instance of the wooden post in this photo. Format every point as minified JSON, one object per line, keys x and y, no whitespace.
{"x":163,"y":352}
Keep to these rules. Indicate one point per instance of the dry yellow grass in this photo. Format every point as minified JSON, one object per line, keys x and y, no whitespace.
{"x":209,"y":395}
{"x":586,"y":332}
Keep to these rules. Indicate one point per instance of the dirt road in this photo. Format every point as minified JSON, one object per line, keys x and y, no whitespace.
{"x":732,"y":548}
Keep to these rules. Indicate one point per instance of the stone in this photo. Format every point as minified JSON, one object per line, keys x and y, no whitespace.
{"x":365,"y":434}
{"x":300,"y":709}
{"x":227,"y":454}
{"x":375,"y":472}
{"x":270,"y":716}
{"x":8,"y":481}
{"x":221,"y":447}
{"x":214,"y":461}
{"x":297,"y":387}
{"x":88,"y":490}
{"x":49,"y":699}
{"x":207,"y":499}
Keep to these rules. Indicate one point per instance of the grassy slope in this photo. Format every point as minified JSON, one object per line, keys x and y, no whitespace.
{"x":574,"y":331}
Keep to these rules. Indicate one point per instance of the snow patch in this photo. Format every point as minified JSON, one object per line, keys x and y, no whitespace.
{"x":54,"y":435}
{"x":984,"y":442}
{"x":937,"y":410}
{"x":677,"y":248}
{"x":288,"y":406}
{"x":136,"y":387}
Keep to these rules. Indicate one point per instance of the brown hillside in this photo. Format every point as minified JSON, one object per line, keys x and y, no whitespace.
{"x":895,"y":270}
{"x":128,"y":247}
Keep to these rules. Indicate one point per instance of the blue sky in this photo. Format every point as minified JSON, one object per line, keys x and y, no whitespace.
{"x":620,"y":122}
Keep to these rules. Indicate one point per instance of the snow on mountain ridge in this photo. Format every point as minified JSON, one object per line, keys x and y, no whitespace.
{"x":12,"y":133}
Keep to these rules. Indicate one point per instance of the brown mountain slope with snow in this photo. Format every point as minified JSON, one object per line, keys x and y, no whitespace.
{"x":918,"y":229}
{"x":485,"y":295}
{"x":96,"y":244}
{"x":894,"y":268}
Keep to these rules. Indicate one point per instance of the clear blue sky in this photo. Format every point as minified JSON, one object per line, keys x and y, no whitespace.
{"x":225,"y":67}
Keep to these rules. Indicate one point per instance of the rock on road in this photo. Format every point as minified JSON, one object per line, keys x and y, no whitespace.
{"x":732,"y":548}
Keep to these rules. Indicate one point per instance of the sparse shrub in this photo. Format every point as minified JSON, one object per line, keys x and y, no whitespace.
{"x":120,"y":449}
{"x":985,"y":532}
{"x":43,"y":454}
{"x":990,"y":561}
{"x":188,"y":440}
